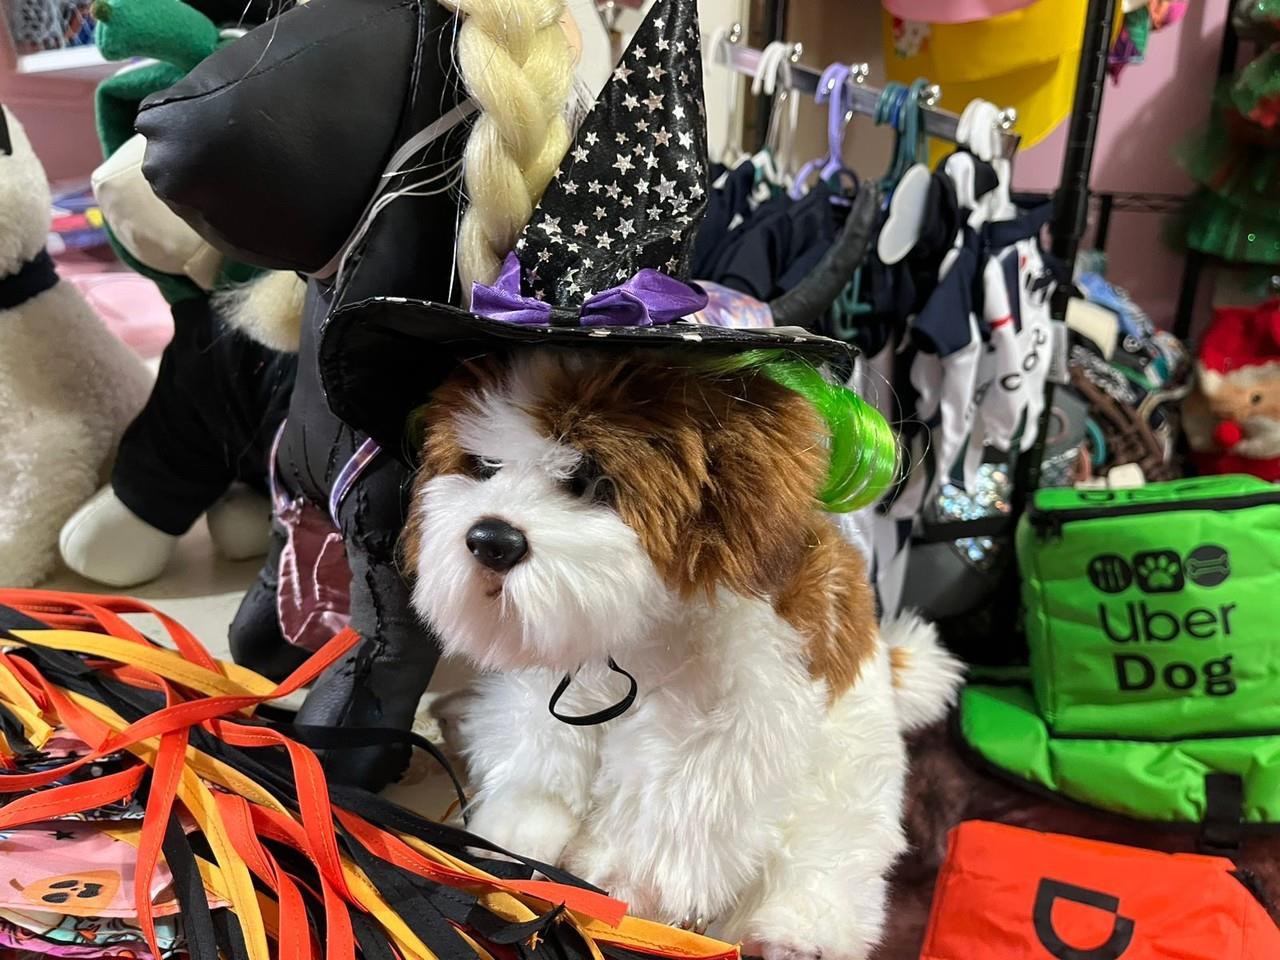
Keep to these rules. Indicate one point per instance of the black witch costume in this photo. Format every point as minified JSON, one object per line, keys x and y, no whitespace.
{"x":274,"y":149}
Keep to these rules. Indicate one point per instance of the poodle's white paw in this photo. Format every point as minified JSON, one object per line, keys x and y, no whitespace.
{"x":800,"y":924}
{"x":532,"y":825}
{"x":240,"y":523}
{"x":782,"y":951}
{"x":605,"y":864}
{"x":108,"y":543}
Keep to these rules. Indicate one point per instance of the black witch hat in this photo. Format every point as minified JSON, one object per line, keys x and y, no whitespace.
{"x":603,"y":262}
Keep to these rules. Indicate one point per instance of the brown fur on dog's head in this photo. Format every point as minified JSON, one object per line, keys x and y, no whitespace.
{"x":714,"y":475}
{"x":717,"y":474}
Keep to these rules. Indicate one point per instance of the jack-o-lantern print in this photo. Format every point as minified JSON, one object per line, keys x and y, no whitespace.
{"x":88,"y":889}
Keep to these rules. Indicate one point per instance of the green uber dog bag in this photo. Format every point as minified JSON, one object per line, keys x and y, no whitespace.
{"x":1153,"y":626}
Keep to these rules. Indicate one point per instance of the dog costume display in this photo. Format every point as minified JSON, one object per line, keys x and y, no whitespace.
{"x":219,"y":394}
{"x":68,"y":387}
{"x":620,"y":512}
{"x":305,"y":202}
{"x":1143,"y":717}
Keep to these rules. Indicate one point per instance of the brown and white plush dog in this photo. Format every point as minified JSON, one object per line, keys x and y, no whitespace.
{"x":576,"y":507}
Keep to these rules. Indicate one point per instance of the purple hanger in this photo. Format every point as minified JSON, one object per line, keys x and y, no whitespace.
{"x":833,"y":90}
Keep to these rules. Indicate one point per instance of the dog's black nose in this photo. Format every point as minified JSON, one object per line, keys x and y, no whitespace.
{"x":497,"y":544}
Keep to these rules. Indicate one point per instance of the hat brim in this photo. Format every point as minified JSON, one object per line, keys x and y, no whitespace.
{"x":381,"y":358}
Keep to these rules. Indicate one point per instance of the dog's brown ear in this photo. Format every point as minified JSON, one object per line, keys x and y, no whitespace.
{"x":766,"y":460}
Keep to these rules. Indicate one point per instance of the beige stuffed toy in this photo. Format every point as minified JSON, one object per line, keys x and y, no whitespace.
{"x":68,"y":387}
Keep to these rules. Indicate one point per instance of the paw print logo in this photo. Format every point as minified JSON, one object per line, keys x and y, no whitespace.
{"x":1159,"y":571}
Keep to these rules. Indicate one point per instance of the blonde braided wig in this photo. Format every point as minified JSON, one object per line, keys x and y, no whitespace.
{"x":517,"y":64}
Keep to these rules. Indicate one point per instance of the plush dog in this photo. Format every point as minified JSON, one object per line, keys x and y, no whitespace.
{"x":68,"y":388}
{"x":577,"y":509}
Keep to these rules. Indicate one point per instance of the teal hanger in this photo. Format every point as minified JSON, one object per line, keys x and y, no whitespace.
{"x":899,"y":105}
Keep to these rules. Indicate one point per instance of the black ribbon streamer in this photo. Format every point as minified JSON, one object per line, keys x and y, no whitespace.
{"x":429,"y":909}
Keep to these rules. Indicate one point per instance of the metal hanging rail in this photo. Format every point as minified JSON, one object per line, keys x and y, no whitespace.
{"x":863,"y":97}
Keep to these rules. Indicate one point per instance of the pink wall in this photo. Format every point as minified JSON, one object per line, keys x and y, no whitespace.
{"x":58,"y":117}
{"x":1154,"y":108}
{"x":57,"y":114}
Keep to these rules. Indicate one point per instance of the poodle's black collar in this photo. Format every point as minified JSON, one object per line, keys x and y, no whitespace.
{"x":33,"y":278}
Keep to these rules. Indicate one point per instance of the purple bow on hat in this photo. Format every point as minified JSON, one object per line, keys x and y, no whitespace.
{"x":650,"y":298}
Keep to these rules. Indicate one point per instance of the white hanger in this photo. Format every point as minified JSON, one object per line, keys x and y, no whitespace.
{"x":773,"y":79}
{"x":981,"y":129}
{"x":722,"y":39}
{"x":907,"y":209}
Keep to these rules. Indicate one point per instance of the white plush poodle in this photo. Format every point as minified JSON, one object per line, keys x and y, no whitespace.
{"x":68,"y":387}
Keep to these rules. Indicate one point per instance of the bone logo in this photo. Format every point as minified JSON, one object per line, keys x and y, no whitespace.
{"x":1056,"y":942}
{"x":1208,"y":565}
{"x":1110,"y":573}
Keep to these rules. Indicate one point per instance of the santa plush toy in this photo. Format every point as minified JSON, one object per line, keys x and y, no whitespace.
{"x":1232,"y":419}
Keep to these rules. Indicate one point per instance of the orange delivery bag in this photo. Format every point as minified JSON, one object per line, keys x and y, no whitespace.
{"x":1005,"y":893}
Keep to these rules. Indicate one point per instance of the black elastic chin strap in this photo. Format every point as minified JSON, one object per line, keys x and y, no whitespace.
{"x":601,"y":716}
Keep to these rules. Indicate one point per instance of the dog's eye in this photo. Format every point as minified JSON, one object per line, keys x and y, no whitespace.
{"x":587,"y":483}
{"x":481,"y":468}
{"x":1256,"y":399}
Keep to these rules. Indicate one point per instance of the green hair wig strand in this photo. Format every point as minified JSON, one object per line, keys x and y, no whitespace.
{"x":862,"y":452}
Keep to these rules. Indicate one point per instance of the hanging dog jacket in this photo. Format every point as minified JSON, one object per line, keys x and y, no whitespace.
{"x":1154,"y":655}
{"x":1021,"y":895}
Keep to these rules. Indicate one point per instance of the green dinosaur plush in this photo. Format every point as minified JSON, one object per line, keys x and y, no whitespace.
{"x":165,"y":30}
{"x":176,"y":37}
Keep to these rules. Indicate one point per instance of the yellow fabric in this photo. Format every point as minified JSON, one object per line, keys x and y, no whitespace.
{"x":1026,"y":59}
{"x":235,"y":681}
{"x":15,"y":697}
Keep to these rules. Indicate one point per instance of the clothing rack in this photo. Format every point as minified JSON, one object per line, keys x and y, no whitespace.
{"x":864,"y":97}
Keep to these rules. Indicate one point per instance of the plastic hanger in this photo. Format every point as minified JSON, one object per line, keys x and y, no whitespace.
{"x":900,"y":106}
{"x":909,"y":191}
{"x":722,"y":39}
{"x":833,"y":91}
{"x":978,"y":131}
{"x":773,"y":79}
{"x":981,"y":128}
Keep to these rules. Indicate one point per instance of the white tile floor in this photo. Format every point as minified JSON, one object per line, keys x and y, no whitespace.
{"x":202,"y":591}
